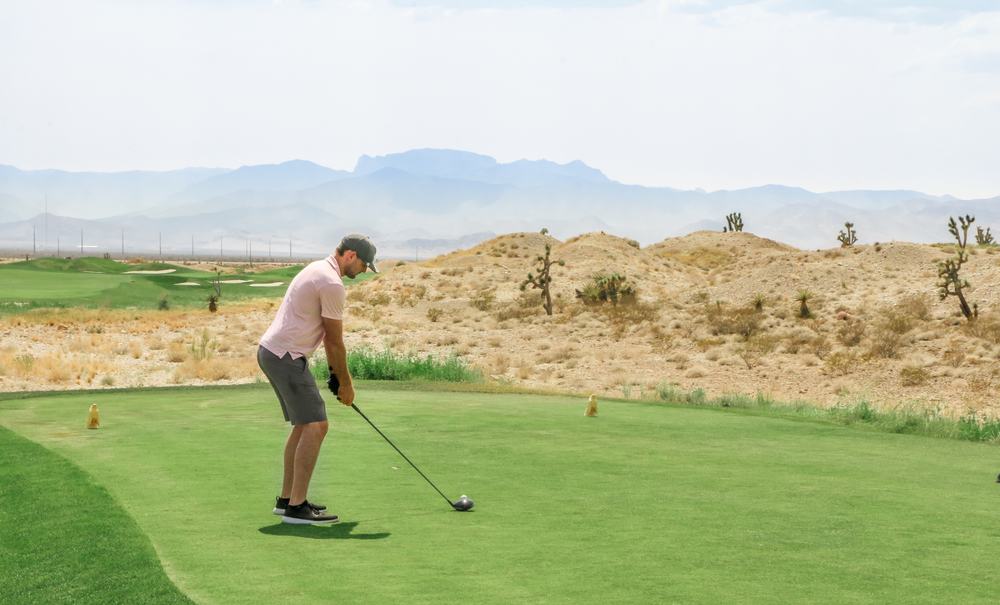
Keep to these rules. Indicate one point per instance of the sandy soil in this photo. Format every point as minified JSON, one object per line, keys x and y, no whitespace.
{"x":877,"y":331}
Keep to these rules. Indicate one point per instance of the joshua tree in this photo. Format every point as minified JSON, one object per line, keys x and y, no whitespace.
{"x":543,"y":280}
{"x":734,"y":222}
{"x":951,"y":284}
{"x":803,"y":297}
{"x":984,"y":238}
{"x":848,"y":238}
{"x":213,"y":298}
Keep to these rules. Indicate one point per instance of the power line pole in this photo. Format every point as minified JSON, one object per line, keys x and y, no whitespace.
{"x":192,"y":246}
{"x":34,"y":245}
{"x":81,"y":242}
{"x":123,"y":243}
{"x":58,"y":250}
{"x":46,"y":244}
{"x":160,"y":234}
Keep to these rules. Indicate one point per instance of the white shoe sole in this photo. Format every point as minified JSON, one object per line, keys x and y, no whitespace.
{"x":278,"y":511}
{"x":297,"y":521}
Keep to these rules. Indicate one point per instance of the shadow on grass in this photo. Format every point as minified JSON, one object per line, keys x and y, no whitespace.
{"x":337,"y":531}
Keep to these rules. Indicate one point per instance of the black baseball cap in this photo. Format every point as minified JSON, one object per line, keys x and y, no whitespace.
{"x":362,"y":246}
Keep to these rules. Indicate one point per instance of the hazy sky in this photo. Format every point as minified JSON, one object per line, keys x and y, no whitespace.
{"x":719,"y":95}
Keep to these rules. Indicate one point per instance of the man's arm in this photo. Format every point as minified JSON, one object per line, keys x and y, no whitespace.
{"x":336,"y":356}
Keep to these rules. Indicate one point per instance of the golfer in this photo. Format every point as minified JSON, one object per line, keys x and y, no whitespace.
{"x":311,"y":313}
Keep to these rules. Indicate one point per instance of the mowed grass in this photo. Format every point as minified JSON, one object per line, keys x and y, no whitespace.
{"x":95,"y":282}
{"x":643,"y":504}
{"x":64,"y":539}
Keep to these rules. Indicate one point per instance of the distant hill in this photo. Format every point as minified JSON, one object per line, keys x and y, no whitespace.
{"x":444,"y":196}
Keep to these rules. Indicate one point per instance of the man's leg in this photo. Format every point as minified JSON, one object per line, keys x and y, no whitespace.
{"x":306,"y":453}
{"x":290,"y":446}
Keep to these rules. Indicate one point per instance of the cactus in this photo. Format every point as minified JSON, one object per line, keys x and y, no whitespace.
{"x":848,"y":238}
{"x":951,"y":283}
{"x":543,"y":280}
{"x":984,"y":238}
{"x":734,"y":222}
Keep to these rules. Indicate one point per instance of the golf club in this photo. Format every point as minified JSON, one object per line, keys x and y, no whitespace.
{"x":462,"y":504}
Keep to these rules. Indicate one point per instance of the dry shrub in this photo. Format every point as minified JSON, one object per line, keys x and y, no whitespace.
{"x":704,"y":344}
{"x":840,"y":363}
{"x":912,"y":376}
{"x":527,"y":304}
{"x":896,"y":322}
{"x":176,"y":352}
{"x":884,"y":343}
{"x":623,"y":316}
{"x":409,"y":296}
{"x":850,"y":332}
{"x":484,"y":299}
{"x":135,"y":349}
{"x":985,"y":327}
{"x":744,"y":321}
{"x":954,"y":355}
{"x":499,"y":364}
{"x":755,"y":348}
{"x":84,"y":343}
{"x":379,"y":299}
{"x":980,"y":385}
{"x":917,"y":306}
{"x":798,"y":340}
{"x":434,"y":314}
{"x":207,"y":369}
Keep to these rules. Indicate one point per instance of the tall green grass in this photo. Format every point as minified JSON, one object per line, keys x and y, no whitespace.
{"x":368,"y":364}
{"x":908,"y":420}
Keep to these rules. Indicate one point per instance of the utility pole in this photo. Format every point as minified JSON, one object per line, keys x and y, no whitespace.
{"x":123,"y":243}
{"x":220,"y":247}
{"x":269,"y":257}
{"x":192,"y":246}
{"x":289,"y":248}
{"x":250,"y":250}
{"x":160,"y":234}
{"x":81,"y":242}
{"x":46,"y":244}
{"x":34,"y":245}
{"x":58,"y":250}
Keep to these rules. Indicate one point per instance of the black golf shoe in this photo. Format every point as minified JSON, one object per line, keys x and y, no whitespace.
{"x":305,"y":514}
{"x":281,"y":503}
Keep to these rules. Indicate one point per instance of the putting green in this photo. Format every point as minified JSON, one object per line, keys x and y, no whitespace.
{"x":642,"y":504}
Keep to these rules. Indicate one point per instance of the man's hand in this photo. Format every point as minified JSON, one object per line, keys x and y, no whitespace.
{"x":344,"y":394}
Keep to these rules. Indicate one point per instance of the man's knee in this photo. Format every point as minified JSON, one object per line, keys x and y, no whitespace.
{"x":316,"y":429}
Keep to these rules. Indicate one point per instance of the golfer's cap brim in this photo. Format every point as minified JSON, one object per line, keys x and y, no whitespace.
{"x":372,"y":267}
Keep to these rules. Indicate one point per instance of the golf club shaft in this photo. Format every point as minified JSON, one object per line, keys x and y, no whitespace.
{"x":389,"y":441}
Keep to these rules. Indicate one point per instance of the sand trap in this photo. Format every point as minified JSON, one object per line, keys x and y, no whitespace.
{"x":235,"y":281}
{"x":188,"y":283}
{"x":160,"y":272}
{"x":270,"y":285}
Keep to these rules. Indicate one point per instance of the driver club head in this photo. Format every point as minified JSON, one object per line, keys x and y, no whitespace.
{"x":463,"y":504}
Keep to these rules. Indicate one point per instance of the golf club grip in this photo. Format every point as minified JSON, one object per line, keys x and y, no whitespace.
{"x":389,"y":441}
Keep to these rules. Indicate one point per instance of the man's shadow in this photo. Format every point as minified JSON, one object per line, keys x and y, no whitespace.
{"x":337,"y":531}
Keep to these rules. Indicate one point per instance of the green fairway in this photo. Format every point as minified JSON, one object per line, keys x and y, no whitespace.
{"x":95,"y":282}
{"x":642,"y":504}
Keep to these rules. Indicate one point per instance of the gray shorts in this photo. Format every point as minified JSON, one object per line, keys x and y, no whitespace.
{"x":293,"y":383}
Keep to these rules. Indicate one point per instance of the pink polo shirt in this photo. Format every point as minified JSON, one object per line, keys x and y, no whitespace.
{"x":316,"y":292}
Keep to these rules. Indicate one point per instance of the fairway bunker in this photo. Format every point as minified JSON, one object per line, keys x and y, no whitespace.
{"x":463,"y":504}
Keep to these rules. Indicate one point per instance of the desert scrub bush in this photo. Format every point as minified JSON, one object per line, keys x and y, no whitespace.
{"x":721,"y":319}
{"x":368,"y":364}
{"x":954,"y":354}
{"x":917,"y":306}
{"x":623,"y":317}
{"x":202,"y":347}
{"x":755,"y":348}
{"x":434,"y":314}
{"x":841,"y":363}
{"x":207,"y":369}
{"x":850,"y":332}
{"x":884,"y":343}
{"x":522,"y":307}
{"x":176,"y":352}
{"x":986,"y":328}
{"x":912,"y":376}
{"x":611,"y":288}
{"x":483,"y":300}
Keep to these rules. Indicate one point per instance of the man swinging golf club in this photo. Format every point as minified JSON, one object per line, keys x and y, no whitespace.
{"x":311,"y":313}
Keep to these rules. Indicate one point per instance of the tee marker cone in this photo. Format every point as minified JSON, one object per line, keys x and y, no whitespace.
{"x":93,"y":417}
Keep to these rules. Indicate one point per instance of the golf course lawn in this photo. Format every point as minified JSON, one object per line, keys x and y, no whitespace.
{"x":643,"y":504}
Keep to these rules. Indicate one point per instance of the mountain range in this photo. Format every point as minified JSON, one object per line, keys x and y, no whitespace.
{"x":423,"y":202}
